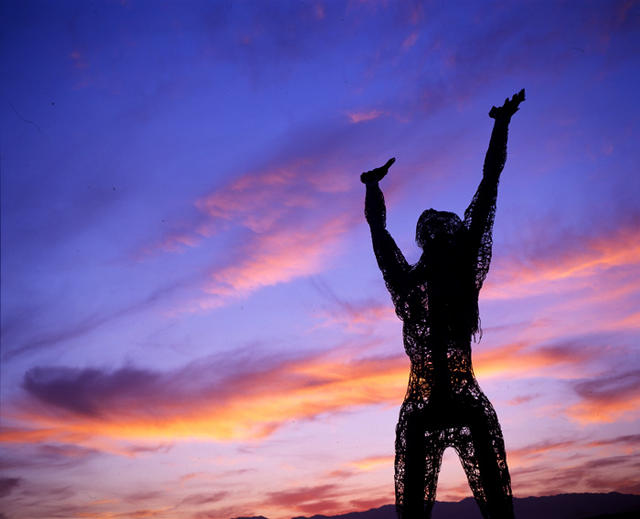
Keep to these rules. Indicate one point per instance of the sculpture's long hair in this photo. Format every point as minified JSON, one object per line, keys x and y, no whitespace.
{"x":448,"y":270}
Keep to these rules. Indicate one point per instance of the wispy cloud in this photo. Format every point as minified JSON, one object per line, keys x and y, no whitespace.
{"x":204,"y":499}
{"x":47,"y":456}
{"x":360,"y":117}
{"x":607,"y":399}
{"x":514,"y":360}
{"x":308,"y":500}
{"x":7,"y":485}
{"x":287,"y":216}
{"x":190,"y":403}
{"x":627,"y":440}
{"x":16,"y":347}
{"x":573,"y":260}
{"x":581,"y":463}
{"x":279,"y":257}
{"x":140,"y":404}
{"x":520,"y":455}
{"x":257,"y":201}
{"x":308,"y":179}
{"x":372,"y":462}
{"x":590,"y":475}
{"x":352,"y":314}
{"x":410,"y":41}
{"x":267,"y":259}
{"x":522,"y":399}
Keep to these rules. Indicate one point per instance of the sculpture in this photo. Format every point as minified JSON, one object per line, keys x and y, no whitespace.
{"x":437,"y":300}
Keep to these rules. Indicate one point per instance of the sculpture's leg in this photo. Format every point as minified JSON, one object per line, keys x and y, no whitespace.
{"x":418,"y":460}
{"x":481,"y":450}
{"x":434,"y":446}
{"x":409,"y":467}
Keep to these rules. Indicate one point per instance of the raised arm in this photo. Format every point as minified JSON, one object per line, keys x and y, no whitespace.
{"x":479,"y":216}
{"x":392,"y":263}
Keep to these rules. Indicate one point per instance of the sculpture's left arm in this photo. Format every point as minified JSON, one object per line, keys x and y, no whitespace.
{"x":479,"y":216}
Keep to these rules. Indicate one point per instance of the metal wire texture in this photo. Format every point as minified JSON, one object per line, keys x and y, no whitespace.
{"x":437,"y":301}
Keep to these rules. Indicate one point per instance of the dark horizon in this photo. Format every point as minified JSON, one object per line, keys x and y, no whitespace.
{"x":612,"y":505}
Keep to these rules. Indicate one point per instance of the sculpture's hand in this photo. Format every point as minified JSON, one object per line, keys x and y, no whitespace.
{"x":376,"y":175}
{"x":509,"y":107}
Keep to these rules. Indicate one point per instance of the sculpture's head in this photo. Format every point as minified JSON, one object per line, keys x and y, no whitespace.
{"x":437,"y":227}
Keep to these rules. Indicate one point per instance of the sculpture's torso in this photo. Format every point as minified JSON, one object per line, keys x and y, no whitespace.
{"x":439,"y":309}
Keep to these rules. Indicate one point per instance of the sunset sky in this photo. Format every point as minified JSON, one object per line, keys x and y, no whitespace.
{"x":193,"y":322}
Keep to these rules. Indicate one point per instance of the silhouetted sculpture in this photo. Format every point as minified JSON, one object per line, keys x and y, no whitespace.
{"x":437,"y":301}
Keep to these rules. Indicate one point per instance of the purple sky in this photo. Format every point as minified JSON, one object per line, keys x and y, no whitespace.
{"x":190,"y":304}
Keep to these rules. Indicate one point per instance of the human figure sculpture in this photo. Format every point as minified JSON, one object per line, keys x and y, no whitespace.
{"x":437,"y":301}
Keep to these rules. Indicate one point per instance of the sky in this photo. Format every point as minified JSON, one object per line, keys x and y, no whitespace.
{"x":193,"y":321}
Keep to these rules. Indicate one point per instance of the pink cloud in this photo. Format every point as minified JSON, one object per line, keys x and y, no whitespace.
{"x":626,"y":441}
{"x":318,"y":10}
{"x":278,"y":257}
{"x":517,"y":359}
{"x":613,"y":473}
{"x":523,"y":399}
{"x":410,"y":41}
{"x":353,"y":315}
{"x":578,"y":260}
{"x":78,"y":406}
{"x":257,"y":201}
{"x":329,"y":498}
{"x":607,"y":399}
{"x":372,"y":462}
{"x":360,"y":117}
{"x":358,"y":315}
{"x":288,"y":218}
{"x":522,"y":454}
{"x":94,"y":408}
{"x":78,"y":59}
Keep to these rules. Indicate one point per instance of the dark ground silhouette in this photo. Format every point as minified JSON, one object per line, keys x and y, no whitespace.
{"x":562,"y":506}
{"x":437,"y":301}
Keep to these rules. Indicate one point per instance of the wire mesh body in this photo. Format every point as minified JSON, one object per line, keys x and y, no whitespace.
{"x":437,"y":300}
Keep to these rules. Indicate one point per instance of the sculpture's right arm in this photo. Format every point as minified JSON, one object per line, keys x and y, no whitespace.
{"x":392,"y":263}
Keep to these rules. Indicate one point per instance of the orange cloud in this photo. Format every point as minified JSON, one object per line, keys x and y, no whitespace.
{"x":607,"y":399}
{"x":631,"y":322}
{"x":513,"y":360}
{"x":261,"y":201}
{"x":595,"y":255}
{"x":280,"y":215}
{"x":626,"y":441}
{"x":279,"y":257}
{"x":355,"y":316}
{"x":522,"y":399}
{"x":605,"y":412}
{"x":241,"y":402}
{"x":255,"y":201}
{"x":518,"y":456}
{"x":269,"y":259}
{"x":309,"y":500}
{"x":326,"y":499}
{"x":135,"y":405}
{"x":372,"y":462}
